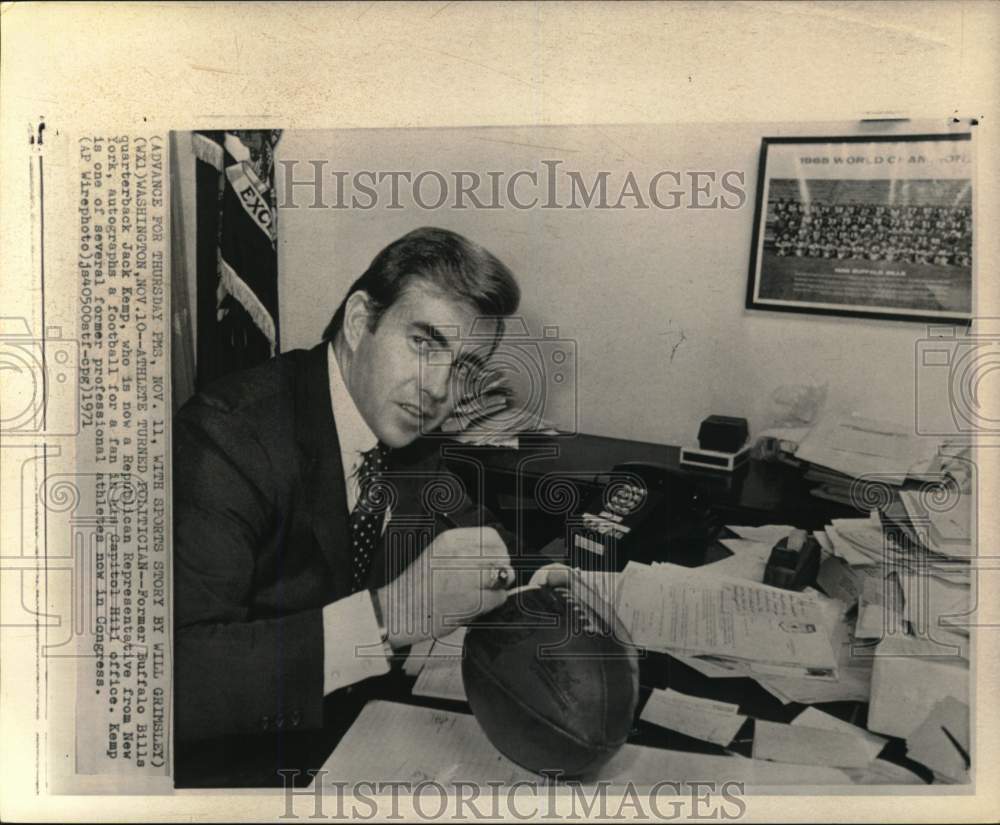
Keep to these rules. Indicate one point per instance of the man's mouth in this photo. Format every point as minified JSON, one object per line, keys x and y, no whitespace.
{"x":415,"y":412}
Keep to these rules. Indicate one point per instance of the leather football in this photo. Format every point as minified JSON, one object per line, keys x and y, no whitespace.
{"x":553,"y":680}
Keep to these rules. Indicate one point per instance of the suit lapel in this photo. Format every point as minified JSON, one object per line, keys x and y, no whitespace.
{"x":326,"y":496}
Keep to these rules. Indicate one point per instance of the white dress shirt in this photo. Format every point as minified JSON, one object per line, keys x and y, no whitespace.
{"x":352,"y":642}
{"x":355,"y":436}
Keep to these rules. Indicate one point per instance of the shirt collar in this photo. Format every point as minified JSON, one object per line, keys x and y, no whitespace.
{"x":355,"y":435}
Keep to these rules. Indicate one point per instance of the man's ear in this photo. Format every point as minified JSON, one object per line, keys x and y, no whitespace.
{"x":356,"y":314}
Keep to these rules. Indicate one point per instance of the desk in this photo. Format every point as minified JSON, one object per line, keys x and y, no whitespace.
{"x":505,"y":479}
{"x":757,"y":493}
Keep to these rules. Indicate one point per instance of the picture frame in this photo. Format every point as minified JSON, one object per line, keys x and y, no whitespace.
{"x":865,"y":227}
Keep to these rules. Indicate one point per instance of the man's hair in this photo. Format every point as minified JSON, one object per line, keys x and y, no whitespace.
{"x":453,"y":264}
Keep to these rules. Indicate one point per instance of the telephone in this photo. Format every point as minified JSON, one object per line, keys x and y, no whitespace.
{"x":644,"y":512}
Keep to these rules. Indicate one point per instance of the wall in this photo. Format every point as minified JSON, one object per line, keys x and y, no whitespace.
{"x":653,"y":299}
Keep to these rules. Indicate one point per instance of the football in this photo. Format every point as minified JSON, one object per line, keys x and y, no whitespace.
{"x":553,"y":680}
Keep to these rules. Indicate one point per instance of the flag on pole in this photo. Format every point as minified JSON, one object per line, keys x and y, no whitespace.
{"x":237,"y":250}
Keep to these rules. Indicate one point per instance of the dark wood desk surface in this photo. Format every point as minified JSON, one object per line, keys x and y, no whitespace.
{"x":759,"y":492}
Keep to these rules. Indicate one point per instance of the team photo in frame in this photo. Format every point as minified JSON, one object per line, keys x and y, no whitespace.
{"x":863,"y":226}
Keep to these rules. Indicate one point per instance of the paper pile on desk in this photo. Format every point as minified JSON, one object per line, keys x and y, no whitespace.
{"x":731,"y":621}
{"x":853,"y":672}
{"x":841,"y":449}
{"x":859,"y":541}
{"x":890,"y":567}
{"x":946,"y":526}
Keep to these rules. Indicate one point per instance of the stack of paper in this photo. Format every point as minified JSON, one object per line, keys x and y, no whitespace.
{"x":903,"y":587}
{"x":732,"y":621}
{"x":859,"y":541}
{"x":853,"y":672}
{"x":842,"y":449}
{"x":943,"y":527}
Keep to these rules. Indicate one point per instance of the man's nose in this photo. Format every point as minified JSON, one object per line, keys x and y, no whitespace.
{"x":434,"y":383}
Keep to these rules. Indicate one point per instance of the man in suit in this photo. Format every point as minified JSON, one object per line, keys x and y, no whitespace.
{"x":314,"y":524}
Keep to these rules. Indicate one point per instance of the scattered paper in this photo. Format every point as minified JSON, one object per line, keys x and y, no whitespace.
{"x":848,"y":551}
{"x":644,"y":767}
{"x":712,"y":669}
{"x":931,"y":603}
{"x":883,"y":772}
{"x":800,"y":745}
{"x":450,"y":747}
{"x":863,"y":535}
{"x":910,"y":676}
{"x":424,"y":745}
{"x":853,"y":682}
{"x":947,"y":526}
{"x":839,"y":581}
{"x":705,"y":719}
{"x":851,"y":686}
{"x":942,"y":741}
{"x":441,"y":678}
{"x":858,"y":446}
{"x":814,"y":718}
{"x":449,"y":646}
{"x":748,"y":561}
{"x":824,"y":541}
{"x":880,"y":607}
{"x":417,"y":657}
{"x":769,"y":534}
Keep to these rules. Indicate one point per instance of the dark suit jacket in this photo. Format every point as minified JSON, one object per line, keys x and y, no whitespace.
{"x":261,"y":544}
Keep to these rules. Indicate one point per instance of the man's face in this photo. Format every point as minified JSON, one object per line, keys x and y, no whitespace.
{"x":406,"y":376}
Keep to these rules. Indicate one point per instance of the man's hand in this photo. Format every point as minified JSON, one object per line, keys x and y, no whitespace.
{"x":462,"y":574}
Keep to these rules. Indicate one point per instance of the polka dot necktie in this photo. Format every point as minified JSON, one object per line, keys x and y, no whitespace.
{"x":368,"y":513}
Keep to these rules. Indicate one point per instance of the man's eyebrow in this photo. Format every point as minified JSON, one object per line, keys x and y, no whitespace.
{"x":433,"y":332}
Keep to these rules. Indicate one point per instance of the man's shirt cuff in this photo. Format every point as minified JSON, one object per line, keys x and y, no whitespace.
{"x":352,"y":642}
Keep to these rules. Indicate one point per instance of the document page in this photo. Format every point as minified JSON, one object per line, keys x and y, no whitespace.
{"x":671,"y":608}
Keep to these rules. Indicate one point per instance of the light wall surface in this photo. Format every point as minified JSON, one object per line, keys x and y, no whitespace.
{"x":652,"y":299}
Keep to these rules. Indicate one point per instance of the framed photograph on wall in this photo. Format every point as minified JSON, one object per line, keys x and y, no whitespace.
{"x":877,"y":227}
